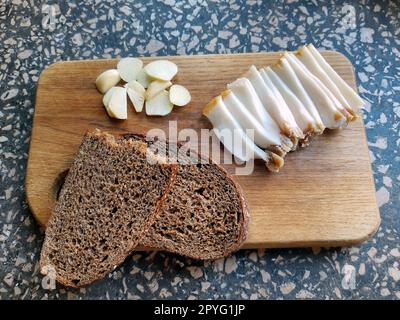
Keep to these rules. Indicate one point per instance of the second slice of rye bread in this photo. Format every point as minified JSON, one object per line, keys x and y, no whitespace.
{"x":110,"y":198}
{"x":205,"y":215}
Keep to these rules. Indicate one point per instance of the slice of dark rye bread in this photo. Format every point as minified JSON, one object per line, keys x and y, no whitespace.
{"x":205,"y":215}
{"x":110,"y":198}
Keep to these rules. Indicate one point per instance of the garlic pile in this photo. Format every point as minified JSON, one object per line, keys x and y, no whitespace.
{"x":284,"y":105}
{"x":155,"y":77}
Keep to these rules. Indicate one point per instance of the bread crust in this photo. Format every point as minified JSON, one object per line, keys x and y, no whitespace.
{"x":44,"y":261}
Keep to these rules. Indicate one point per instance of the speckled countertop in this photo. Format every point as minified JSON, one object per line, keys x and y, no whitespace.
{"x":34,"y":34}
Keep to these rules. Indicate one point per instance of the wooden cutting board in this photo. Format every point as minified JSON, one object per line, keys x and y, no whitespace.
{"x":324,"y":195}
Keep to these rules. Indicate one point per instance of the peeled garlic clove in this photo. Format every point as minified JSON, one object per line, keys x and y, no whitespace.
{"x":136,"y":86}
{"x":161,"y":69}
{"x":118,"y":104}
{"x":136,"y":99}
{"x":107,"y":96}
{"x":107,"y":80}
{"x":156,"y":87}
{"x":143,"y":78}
{"x":106,"y":100}
{"x":136,"y":93}
{"x":129,"y":68}
{"x":159,"y":105}
{"x":179,"y":95}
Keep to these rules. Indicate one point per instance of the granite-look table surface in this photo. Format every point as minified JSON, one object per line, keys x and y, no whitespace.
{"x":34,"y":34}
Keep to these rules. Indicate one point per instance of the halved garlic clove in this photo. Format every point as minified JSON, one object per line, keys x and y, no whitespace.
{"x":136,"y":86}
{"x":136,"y":98}
{"x":156,"y":87}
{"x":129,"y":68}
{"x":136,"y":93}
{"x":159,"y":105}
{"x":118,"y":104}
{"x":179,"y":95}
{"x":107,"y":80}
{"x":143,"y":78}
{"x":106,"y":100}
{"x":161,"y":69}
{"x":107,"y":96}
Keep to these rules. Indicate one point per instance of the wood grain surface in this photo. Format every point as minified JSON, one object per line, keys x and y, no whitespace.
{"x":324,"y":195}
